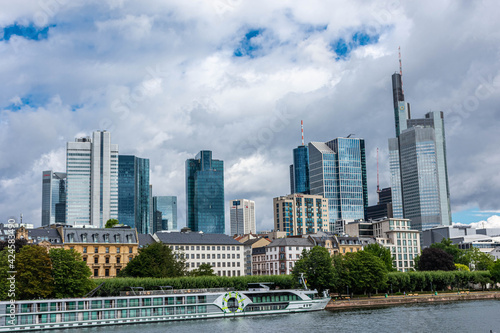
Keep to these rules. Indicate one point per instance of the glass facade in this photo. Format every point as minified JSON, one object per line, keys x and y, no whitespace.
{"x":338,"y":172}
{"x":242,"y":216}
{"x":205,"y":193}
{"x":133,"y":193}
{"x":165,"y":213}
{"x":53,"y":197}
{"x":299,"y":171}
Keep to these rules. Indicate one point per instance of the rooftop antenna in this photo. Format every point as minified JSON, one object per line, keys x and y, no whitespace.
{"x":401,"y":70}
{"x":302,"y":130}
{"x":350,"y":135}
{"x":378,"y":184}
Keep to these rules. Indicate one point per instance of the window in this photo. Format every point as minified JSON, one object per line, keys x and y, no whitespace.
{"x":130,"y":259}
{"x":95,"y":238}
{"x":96,"y":249}
{"x":84,"y":249}
{"x":107,"y":260}
{"x":107,"y":250}
{"x":106,"y":272}
{"x":85,"y":259}
{"x":96,"y":272}
{"x":117,"y":250}
{"x":96,"y":260}
{"x":117,"y":260}
{"x":84,"y":238}
{"x":106,"y":238}
{"x":117,"y":238}
{"x":129,"y":250}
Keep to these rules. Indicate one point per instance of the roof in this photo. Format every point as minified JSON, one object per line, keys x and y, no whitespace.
{"x":291,"y":242}
{"x":145,"y":239}
{"x":45,"y":234}
{"x":114,"y":235}
{"x":195,"y":238}
{"x":255,"y":240}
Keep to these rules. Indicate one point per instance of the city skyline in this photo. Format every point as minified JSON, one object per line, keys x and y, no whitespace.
{"x":237,"y":79}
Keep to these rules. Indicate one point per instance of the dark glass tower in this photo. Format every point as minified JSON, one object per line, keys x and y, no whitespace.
{"x":53,"y":198}
{"x":299,"y":171}
{"x":205,"y":193}
{"x":133,"y":193}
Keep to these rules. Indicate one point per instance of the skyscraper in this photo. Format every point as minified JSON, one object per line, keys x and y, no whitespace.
{"x":299,"y":170}
{"x":164,"y":213}
{"x":92,"y":180}
{"x":133,"y":193}
{"x":242,"y":216}
{"x":337,"y":170}
{"x":53,"y":197}
{"x":417,"y":159}
{"x":205,"y":193}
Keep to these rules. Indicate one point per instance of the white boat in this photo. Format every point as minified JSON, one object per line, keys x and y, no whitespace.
{"x":156,"y":306}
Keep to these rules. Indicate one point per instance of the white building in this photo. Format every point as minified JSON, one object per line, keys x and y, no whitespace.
{"x":92,"y":180}
{"x":223,"y":253}
{"x":282,"y":254}
{"x":242,"y":216}
{"x":404,"y":243}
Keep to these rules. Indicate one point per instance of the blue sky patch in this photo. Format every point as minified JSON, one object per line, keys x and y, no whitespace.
{"x":247,"y":47}
{"x":29,"y":32}
{"x":343,"y":47}
{"x":29,"y":100}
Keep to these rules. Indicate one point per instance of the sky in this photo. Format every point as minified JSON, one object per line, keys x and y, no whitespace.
{"x":172,"y":77}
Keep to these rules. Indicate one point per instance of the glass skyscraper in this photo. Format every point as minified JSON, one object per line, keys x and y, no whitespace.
{"x":299,"y":171}
{"x":417,"y":159}
{"x":133,"y":193}
{"x":53,"y":197}
{"x":92,"y":180}
{"x":205,"y":193}
{"x":164,"y":213}
{"x":337,"y":170}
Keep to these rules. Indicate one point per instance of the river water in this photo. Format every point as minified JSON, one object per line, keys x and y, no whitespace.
{"x":468,"y":316}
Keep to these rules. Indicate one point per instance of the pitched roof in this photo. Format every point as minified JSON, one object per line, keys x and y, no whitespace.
{"x":145,"y":239}
{"x":291,"y":242}
{"x":195,"y":238}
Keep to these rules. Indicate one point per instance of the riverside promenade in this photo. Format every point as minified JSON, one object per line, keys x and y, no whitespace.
{"x":382,"y":301}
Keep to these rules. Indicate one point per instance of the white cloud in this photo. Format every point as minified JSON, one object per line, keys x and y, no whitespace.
{"x":491,"y":222}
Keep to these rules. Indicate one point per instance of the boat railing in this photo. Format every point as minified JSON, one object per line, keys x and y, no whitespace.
{"x":174,"y":291}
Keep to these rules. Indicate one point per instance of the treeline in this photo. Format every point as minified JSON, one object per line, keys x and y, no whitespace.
{"x":112,"y":287}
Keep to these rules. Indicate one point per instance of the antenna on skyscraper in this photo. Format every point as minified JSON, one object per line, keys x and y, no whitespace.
{"x":378,"y":184}
{"x":302,"y":130}
{"x":401,"y":69}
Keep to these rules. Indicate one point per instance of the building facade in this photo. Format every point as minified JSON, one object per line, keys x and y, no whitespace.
{"x":301,"y":214}
{"x":92,"y":180}
{"x":242,"y":216}
{"x":205,"y":193}
{"x":223,"y":253}
{"x":53,"y":197}
{"x":283,"y":253}
{"x":164,"y":213}
{"x":133,"y":193}
{"x":299,"y":170}
{"x":337,"y":171}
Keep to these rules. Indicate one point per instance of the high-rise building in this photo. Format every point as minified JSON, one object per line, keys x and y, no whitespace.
{"x":242,"y":216}
{"x":301,"y":214}
{"x":337,"y":171}
{"x":164,"y":213}
{"x":53,"y":197}
{"x":133,"y":193}
{"x":92,"y":180}
{"x":205,"y":193}
{"x":417,"y":159}
{"x":299,"y":170}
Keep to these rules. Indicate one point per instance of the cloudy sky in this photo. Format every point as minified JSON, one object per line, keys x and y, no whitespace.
{"x":172,"y":77}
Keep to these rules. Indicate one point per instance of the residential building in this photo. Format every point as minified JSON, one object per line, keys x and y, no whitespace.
{"x":403,"y":241}
{"x":300,"y":214}
{"x":205,"y":193}
{"x":337,"y":171}
{"x":92,"y":180}
{"x":327,"y":241}
{"x":259,"y":262}
{"x":133,"y":193}
{"x":222,"y":252}
{"x":242,"y":216}
{"x":53,"y":197}
{"x":249,"y":246}
{"x":283,"y":253}
{"x":164,"y":213}
{"x":348,"y":244}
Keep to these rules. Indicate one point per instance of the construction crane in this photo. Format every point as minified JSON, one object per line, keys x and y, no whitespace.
{"x":378,"y":183}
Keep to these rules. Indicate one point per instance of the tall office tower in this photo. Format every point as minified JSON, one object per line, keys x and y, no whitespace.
{"x":242,"y":216}
{"x":337,"y":171}
{"x":417,"y":159}
{"x":53,"y":197}
{"x":299,"y":170}
{"x":301,"y":214}
{"x":92,"y":180}
{"x":133,"y":193}
{"x":164,"y":213}
{"x":205,"y":193}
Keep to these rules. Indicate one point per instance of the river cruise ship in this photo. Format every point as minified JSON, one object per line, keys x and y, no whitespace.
{"x":156,"y":306}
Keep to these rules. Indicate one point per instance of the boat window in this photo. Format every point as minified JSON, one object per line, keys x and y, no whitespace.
{"x":133,"y":313}
{"x":180,"y":310}
{"x":108,"y":304}
{"x":202,"y":308}
{"x":122,"y":303}
{"x":146,"y":301}
{"x":158,"y":301}
{"x":96,"y":304}
{"x":70,"y":305}
{"x":134,"y":302}
{"x":191,"y":309}
{"x":179,"y":300}
{"x":191,"y":299}
{"x":170,"y":300}
{"x":202,"y":299}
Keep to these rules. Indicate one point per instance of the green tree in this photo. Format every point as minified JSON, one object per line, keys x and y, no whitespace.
{"x":203,"y":270}
{"x":111,"y":223}
{"x":156,"y":260}
{"x":461,"y":267}
{"x":70,"y":273}
{"x":458,"y":254}
{"x":18,"y":244}
{"x":34,"y":273}
{"x":382,"y":253}
{"x":366,"y":272}
{"x":435,"y":259}
{"x":480,"y":261}
{"x":495,"y":271}
{"x":316,"y":264}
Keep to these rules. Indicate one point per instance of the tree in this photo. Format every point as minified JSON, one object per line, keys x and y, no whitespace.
{"x":111,"y":223}
{"x":382,"y":253}
{"x":366,"y":271}
{"x":435,"y":259}
{"x":70,"y":273}
{"x":479,"y":260}
{"x":34,"y":268}
{"x":447,"y":246}
{"x":156,"y":260}
{"x":316,"y":264}
{"x":495,"y":271}
{"x":203,"y":270}
{"x":461,"y":267}
{"x":18,"y":244}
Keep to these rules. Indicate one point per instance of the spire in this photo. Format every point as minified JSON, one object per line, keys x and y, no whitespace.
{"x":401,"y":69}
{"x":302,"y":130}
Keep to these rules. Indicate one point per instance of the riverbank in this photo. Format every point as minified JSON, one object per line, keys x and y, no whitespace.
{"x":381,"y":301}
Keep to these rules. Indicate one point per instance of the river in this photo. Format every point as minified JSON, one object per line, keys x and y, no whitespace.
{"x":466,"y":316}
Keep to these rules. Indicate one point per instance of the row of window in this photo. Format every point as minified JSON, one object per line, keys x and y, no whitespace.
{"x":95,"y":238}
{"x":202,"y":248}
{"x":106,"y":249}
